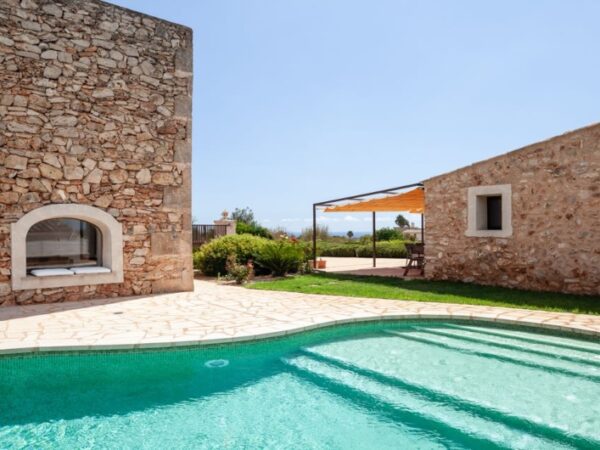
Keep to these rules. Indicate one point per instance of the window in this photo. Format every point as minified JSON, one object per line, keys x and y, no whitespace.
{"x":64,"y":245}
{"x":494,"y":212}
{"x":489,"y":211}
{"x":63,"y":242}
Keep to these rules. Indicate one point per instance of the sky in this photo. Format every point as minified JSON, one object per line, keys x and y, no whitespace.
{"x":300,"y":101}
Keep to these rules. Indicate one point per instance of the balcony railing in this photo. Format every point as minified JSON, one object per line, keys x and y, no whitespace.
{"x":201,"y":234}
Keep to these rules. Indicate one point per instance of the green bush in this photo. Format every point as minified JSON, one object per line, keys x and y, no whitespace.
{"x":253,"y":229}
{"x":339,"y":250}
{"x":324,"y":247}
{"x":388,"y":234}
{"x":211,"y":258}
{"x":386,"y":249}
{"x":281,"y":257}
{"x":366,"y":239}
{"x":196,"y":257}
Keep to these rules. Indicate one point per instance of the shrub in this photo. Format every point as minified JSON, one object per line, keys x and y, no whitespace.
{"x":196,"y":256}
{"x":324,"y":246}
{"x":281,"y":257}
{"x":238,"y":272}
{"x":388,"y":234}
{"x":253,"y":229}
{"x":386,"y":249}
{"x":339,"y":250}
{"x":366,"y":239}
{"x":211,"y":258}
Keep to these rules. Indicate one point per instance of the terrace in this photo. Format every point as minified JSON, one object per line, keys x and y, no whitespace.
{"x":216,"y":313}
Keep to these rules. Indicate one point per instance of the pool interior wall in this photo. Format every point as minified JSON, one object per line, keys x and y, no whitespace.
{"x":421,"y":383}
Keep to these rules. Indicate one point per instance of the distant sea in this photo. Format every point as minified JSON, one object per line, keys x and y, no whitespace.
{"x":357,"y":234}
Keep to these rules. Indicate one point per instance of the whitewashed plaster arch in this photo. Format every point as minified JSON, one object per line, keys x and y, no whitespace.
{"x":112,"y":247}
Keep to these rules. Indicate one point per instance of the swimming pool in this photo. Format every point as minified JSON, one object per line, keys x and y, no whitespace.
{"x":376,"y":385}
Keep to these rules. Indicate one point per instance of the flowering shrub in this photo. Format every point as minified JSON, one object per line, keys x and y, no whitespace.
{"x":241,"y":273}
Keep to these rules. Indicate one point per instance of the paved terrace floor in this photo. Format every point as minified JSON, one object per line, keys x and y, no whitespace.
{"x":216,"y":313}
{"x":386,"y":267}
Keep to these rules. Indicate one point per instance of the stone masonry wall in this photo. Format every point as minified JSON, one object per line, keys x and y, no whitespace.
{"x":95,"y":108}
{"x":555,"y":216}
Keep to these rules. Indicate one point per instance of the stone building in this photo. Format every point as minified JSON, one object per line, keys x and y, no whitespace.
{"x":95,"y":152}
{"x":528,"y":219}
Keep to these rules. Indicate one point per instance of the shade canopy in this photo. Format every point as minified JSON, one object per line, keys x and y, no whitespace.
{"x":412,"y":201}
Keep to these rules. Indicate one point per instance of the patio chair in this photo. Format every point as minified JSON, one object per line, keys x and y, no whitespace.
{"x":416,"y":258}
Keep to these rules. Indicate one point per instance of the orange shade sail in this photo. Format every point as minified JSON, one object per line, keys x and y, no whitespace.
{"x":411,"y":201}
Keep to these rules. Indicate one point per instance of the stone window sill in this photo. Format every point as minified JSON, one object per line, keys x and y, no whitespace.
{"x":489,"y":233}
{"x":55,"y":281}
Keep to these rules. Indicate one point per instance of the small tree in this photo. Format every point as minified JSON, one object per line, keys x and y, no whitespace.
{"x":350,"y":234}
{"x":322,"y":233}
{"x":253,"y":228}
{"x":244,"y":215}
{"x":388,"y":234}
{"x":401,"y":221}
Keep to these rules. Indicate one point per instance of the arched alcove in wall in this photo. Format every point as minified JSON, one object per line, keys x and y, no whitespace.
{"x":108,"y":254}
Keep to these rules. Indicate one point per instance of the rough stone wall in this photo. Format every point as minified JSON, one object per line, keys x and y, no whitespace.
{"x":555,"y":244}
{"x":95,"y":108}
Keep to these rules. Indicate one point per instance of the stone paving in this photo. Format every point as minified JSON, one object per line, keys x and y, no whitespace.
{"x":217,"y":313}
{"x":386,"y":267}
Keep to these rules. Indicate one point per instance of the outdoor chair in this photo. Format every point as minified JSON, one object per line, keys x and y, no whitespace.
{"x":416,"y":258}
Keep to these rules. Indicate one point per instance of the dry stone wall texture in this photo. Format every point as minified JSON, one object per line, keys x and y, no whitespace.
{"x":95,"y":108}
{"x":555,"y":244}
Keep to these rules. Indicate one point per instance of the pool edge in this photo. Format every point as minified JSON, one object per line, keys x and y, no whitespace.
{"x":526,"y":322}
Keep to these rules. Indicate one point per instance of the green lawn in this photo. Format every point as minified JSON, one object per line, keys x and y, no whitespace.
{"x":434,"y":291}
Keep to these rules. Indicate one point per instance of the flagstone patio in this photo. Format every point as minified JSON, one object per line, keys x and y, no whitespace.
{"x":216,"y":313}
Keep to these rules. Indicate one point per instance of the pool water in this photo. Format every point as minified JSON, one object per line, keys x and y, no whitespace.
{"x":417,"y":385}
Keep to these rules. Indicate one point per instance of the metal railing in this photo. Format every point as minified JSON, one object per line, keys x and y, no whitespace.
{"x":201,"y":234}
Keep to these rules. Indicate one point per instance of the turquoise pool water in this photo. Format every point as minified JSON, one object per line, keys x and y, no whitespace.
{"x":384,"y":385}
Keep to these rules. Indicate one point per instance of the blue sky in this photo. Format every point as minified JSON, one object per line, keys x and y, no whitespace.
{"x":297,"y":101}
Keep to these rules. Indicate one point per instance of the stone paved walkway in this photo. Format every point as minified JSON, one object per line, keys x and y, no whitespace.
{"x":386,"y":267}
{"x":216,"y":313}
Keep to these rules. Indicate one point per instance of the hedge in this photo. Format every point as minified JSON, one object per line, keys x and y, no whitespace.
{"x":385,"y":249}
{"x":339,"y":250}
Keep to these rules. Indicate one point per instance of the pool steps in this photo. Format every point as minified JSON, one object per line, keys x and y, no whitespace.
{"x":451,"y":418}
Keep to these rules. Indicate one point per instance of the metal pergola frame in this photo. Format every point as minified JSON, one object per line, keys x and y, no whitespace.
{"x":329,"y":203}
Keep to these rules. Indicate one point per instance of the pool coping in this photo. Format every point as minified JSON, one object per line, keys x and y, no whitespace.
{"x":575,"y":330}
{"x":576,"y":324}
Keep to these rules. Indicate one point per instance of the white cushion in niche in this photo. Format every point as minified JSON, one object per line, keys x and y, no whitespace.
{"x":50,"y":272}
{"x":89,"y":270}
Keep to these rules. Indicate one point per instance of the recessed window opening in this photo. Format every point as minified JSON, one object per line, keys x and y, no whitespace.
{"x":494,"y":212}
{"x":489,"y":211}
{"x":64,"y":245}
{"x":63,"y":242}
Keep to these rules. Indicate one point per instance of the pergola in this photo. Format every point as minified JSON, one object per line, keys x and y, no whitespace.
{"x":386,"y":200}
